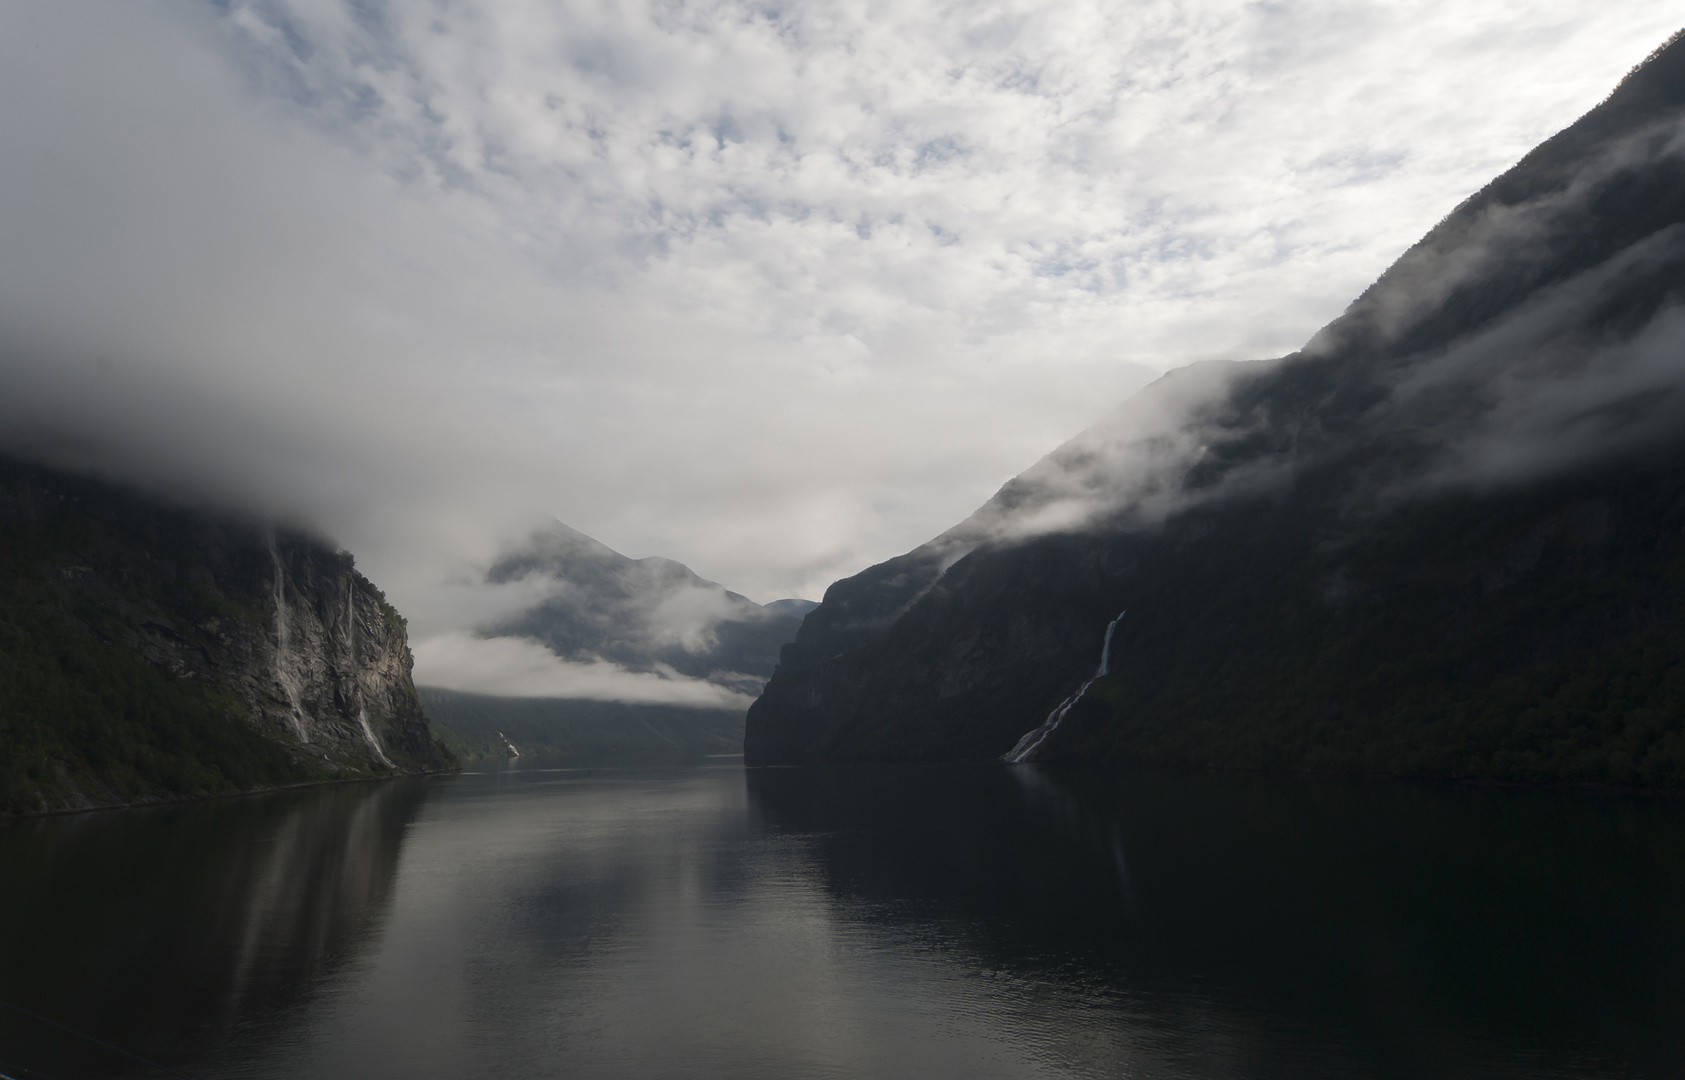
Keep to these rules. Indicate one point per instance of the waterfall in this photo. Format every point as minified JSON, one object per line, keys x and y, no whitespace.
{"x":351,"y":669}
{"x":374,"y":743}
{"x":1032,"y":740}
{"x":283,"y":643}
{"x":512,"y":748}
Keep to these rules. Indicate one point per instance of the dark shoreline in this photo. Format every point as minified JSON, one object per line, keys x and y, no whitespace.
{"x":171,"y":800}
{"x":1581,"y":787}
{"x":1556,"y":786}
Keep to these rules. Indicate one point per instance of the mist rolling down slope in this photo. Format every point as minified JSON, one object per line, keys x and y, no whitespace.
{"x":641,"y":614}
{"x":1446,"y":538}
{"x":635,"y":657}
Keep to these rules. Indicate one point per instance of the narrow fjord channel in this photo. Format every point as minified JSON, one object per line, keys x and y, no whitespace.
{"x":712,"y":921}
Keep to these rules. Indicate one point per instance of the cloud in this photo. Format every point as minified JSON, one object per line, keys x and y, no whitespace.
{"x":520,"y":667}
{"x":1133,"y":461}
{"x":1502,"y":349}
{"x":773,"y":290}
{"x":591,"y":602}
{"x":1554,"y":386}
{"x":689,"y":618}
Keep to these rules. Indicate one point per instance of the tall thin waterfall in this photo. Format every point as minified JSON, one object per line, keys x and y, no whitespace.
{"x":356,"y":685}
{"x":1032,"y":740}
{"x":283,"y":644}
{"x":514,"y":750}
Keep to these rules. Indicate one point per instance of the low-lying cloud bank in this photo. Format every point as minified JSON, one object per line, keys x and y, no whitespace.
{"x":519,"y":667}
{"x":774,"y":290}
{"x":581,"y":620}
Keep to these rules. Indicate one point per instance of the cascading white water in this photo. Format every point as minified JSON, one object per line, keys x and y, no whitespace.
{"x":283,"y":644}
{"x":351,"y":667}
{"x":513,"y":749}
{"x":1032,"y":740}
{"x":374,"y":743}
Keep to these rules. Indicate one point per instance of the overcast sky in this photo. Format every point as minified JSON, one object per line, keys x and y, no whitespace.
{"x":774,"y":289}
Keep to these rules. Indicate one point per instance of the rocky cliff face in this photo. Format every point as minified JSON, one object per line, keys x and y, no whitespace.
{"x":339,"y":656}
{"x":1446,"y":538}
{"x":150,"y":650}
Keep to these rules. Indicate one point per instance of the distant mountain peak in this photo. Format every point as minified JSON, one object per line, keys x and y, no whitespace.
{"x":645,"y":615}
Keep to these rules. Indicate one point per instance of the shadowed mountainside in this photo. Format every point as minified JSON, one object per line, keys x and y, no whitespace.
{"x":1446,"y":538}
{"x":154,"y":651}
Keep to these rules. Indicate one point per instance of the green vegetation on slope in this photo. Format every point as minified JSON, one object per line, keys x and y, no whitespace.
{"x":137,"y":656}
{"x":86,"y":721}
{"x":1446,"y":538}
{"x":1533,"y":636}
{"x":1530,"y":637}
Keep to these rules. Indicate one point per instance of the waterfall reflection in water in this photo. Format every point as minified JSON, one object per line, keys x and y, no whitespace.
{"x":170,"y":929}
{"x":873,"y":922}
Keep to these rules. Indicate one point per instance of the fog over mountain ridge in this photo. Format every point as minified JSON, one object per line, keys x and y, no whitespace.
{"x":1519,"y":397}
{"x":1441,"y":539}
{"x":776,"y":291}
{"x":593,"y":624}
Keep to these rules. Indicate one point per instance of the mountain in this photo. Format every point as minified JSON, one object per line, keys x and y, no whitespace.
{"x":1444,"y":539}
{"x":651,"y":618}
{"x":796,"y":609}
{"x":150,"y":650}
{"x":641,"y":614}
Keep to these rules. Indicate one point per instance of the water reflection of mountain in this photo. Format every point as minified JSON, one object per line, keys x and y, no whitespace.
{"x":1200,"y":919}
{"x":162,"y":930}
{"x":600,"y":904}
{"x":894,"y":922}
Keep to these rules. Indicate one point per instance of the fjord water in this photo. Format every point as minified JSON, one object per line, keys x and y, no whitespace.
{"x":711,"y":921}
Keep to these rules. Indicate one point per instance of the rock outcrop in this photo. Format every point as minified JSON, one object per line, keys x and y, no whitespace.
{"x":149,"y":650}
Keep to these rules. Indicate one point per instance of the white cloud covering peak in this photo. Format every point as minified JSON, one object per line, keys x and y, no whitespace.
{"x":775,"y":289}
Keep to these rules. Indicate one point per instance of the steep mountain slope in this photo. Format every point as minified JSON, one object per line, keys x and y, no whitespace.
{"x":642,"y":613}
{"x":654,"y":618}
{"x":1446,"y":538}
{"x":150,"y":650}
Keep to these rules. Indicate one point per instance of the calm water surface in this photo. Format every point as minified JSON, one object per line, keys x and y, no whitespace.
{"x":869,"y":922}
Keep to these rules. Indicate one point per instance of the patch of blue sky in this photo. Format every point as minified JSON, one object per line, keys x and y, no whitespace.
{"x":725,"y":129}
{"x":1088,"y":273}
{"x":938,"y":151}
{"x":1359,"y":165}
{"x":944,"y":237}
